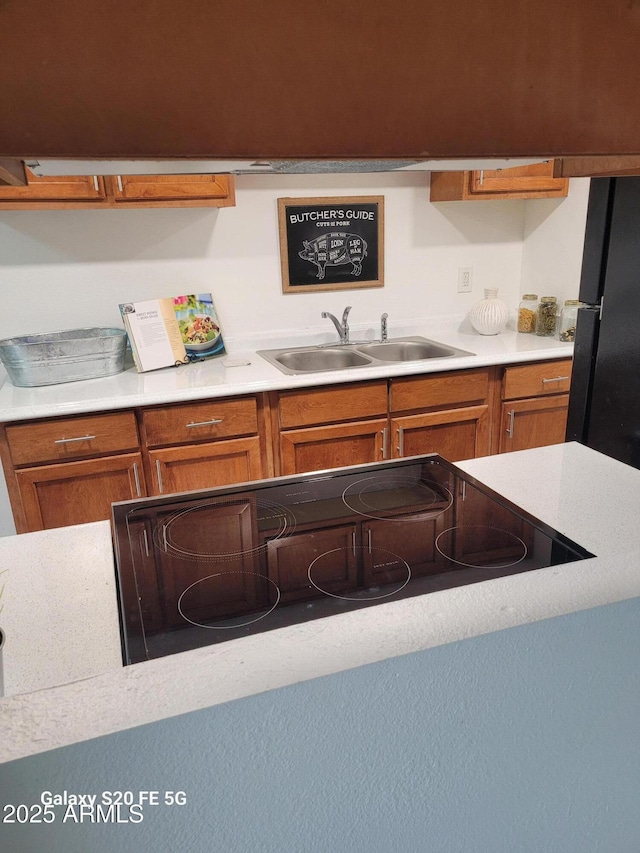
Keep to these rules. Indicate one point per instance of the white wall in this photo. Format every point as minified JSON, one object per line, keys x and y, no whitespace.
{"x":70,"y":268}
{"x":552,"y":243}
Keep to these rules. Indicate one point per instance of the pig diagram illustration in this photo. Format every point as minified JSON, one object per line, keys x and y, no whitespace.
{"x":333,"y":250}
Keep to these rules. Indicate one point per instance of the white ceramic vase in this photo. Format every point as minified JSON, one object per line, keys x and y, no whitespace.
{"x":489,"y":316}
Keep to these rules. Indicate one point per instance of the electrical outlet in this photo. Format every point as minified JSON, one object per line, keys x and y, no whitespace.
{"x":465,"y":279}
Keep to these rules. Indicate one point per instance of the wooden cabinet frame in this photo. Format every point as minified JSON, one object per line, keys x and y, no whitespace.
{"x":101,"y":192}
{"x":416,"y":408}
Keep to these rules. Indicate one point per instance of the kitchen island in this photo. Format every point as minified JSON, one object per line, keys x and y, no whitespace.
{"x":570,"y":487}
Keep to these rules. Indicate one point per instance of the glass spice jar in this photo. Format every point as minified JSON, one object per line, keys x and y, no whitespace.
{"x":568,"y":320}
{"x":527,"y":313}
{"x":547,"y":317}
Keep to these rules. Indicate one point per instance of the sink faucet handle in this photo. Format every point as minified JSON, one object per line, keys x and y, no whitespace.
{"x":383,"y":327}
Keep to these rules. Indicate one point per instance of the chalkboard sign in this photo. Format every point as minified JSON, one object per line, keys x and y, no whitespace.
{"x":331,"y":243}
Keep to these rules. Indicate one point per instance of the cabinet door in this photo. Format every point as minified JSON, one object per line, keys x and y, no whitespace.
{"x":209,"y":564}
{"x":319,"y":448}
{"x":486,"y":535}
{"x":289,"y":561}
{"x":455,"y":434}
{"x":533,"y":423}
{"x":392,"y":549}
{"x":203,"y":466}
{"x":52,"y":192}
{"x":534,"y":181}
{"x":78,"y":492}
{"x":171,"y":191}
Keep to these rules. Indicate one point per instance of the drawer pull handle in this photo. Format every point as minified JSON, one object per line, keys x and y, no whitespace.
{"x":69,"y":440}
{"x":369,"y":539}
{"x":145,"y":542}
{"x":136,"y":477}
{"x":353,"y":543}
{"x":159,"y":473}
{"x":555,"y":379}
{"x":512,"y":415}
{"x":119,"y":180}
{"x":383,"y":450}
{"x":400,"y":441}
{"x":96,"y":185}
{"x":205,"y":423}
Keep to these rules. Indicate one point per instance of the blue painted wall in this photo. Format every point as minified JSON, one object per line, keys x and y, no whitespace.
{"x":523,"y":740}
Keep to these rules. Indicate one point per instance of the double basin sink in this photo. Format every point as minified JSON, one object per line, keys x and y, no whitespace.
{"x":366,"y":354}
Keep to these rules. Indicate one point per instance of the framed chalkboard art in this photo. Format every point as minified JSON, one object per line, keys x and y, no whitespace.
{"x":331,"y":243}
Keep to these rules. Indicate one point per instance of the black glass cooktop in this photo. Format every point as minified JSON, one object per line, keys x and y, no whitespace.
{"x":204,"y":567}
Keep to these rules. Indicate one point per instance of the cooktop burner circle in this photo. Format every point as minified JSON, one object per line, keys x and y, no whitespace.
{"x":381,"y":497}
{"x":500,"y":541}
{"x":230,"y":621}
{"x":167,"y":534}
{"x":372,"y":593}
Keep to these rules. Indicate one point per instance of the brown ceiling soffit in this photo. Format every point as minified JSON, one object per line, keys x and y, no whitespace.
{"x":12,"y":173}
{"x":597,"y":167}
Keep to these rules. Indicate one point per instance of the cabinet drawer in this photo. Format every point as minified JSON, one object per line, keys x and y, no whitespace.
{"x":330,"y":405}
{"x":194,"y":422}
{"x":532,"y":380}
{"x":442,"y":389}
{"x":65,"y":439}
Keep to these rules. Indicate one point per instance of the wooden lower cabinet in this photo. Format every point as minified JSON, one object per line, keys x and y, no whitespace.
{"x":454,"y":433}
{"x":534,"y":405}
{"x":292,"y":559}
{"x":391,"y":550}
{"x":78,"y":492}
{"x":206,"y":570}
{"x":533,"y":423}
{"x":333,"y":446}
{"x":63,"y":471}
{"x":204,"y":466}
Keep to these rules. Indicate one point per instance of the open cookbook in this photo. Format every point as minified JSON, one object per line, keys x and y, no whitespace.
{"x":176,"y":330}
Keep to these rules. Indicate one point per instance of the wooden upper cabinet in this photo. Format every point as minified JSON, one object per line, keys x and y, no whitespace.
{"x":535,"y":181}
{"x":103,"y":192}
{"x":58,"y":191}
{"x":171,"y":190}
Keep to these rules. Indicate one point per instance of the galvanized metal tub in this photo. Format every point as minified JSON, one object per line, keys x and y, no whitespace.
{"x":68,"y":356}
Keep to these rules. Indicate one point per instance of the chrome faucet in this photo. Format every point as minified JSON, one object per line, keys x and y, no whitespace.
{"x":341,"y":328}
{"x":383,"y":327}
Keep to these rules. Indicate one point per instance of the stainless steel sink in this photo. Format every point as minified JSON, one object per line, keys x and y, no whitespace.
{"x":407,"y":350}
{"x":314,"y":360}
{"x":364,"y":354}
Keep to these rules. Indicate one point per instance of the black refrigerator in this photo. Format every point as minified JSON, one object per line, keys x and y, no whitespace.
{"x":604,"y":401}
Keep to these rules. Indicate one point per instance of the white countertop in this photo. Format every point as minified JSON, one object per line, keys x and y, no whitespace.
{"x":572,"y":488}
{"x":212,"y":378}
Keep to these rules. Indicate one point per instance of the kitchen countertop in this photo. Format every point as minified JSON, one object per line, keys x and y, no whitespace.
{"x":572,"y":488}
{"x":213,"y":378}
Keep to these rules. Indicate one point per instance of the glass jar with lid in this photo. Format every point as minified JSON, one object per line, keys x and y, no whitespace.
{"x":568,"y":320}
{"x":547,"y":319}
{"x":527,"y":313}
